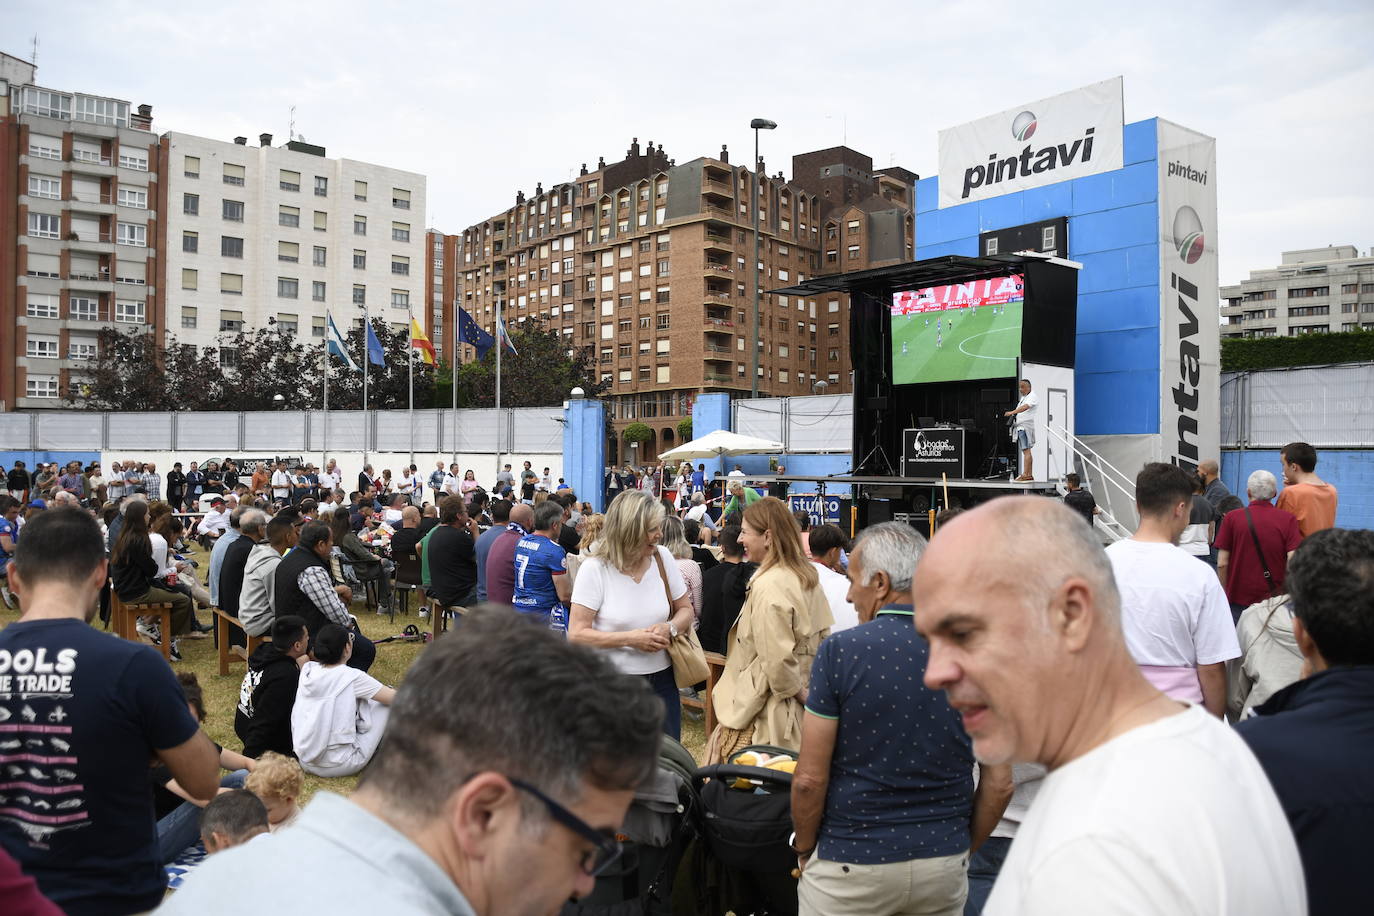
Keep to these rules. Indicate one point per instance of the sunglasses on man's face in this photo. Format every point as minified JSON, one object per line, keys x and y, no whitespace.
{"x":605,"y":849}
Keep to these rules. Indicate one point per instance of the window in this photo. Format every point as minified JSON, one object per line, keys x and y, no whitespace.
{"x":230,"y":247}
{"x":400,"y":198}
{"x":663,"y":374}
{"x":228,"y":357}
{"x":360,"y":190}
{"x":82,"y":349}
{"x":853,"y":252}
{"x":625,"y":325}
{"x":190,"y":204}
{"x":233,"y":174}
{"x":661,"y":321}
{"x":644,"y":322}
{"x":44,"y":225}
{"x":45,"y":147}
{"x":991,"y":247}
{"x":289,"y":252}
{"x":189,"y":316}
{"x":400,"y":232}
{"x":643,"y":373}
{"x":133,"y":197}
{"x":289,"y":217}
{"x":400,"y":266}
{"x":317,"y":327}
{"x":46,"y":103}
{"x":231,"y":284}
{"x":288,"y":288}
{"x":359,"y":295}
{"x":359,"y":225}
{"x":1047,"y":242}
{"x":188,"y":278}
{"x":663,"y":267}
{"x":288,"y":180}
{"x":232,"y":210}
{"x":130,"y":234}
{"x":319,"y":256}
{"x":400,"y":299}
{"x":133,"y":159}
{"x":51,"y":188}
{"x":190,"y":166}
{"x":317,"y":290}
{"x":625,"y":375}
{"x":852,"y":227}
{"x":128,"y":311}
{"x":41,"y":305}
{"x":230,"y":320}
{"x":81,"y":308}
{"x":1308,"y":292}
{"x":321,"y":186}
{"x":359,"y":259}
{"x":102,"y":111}
{"x":41,"y":386}
{"x":287,"y":323}
{"x":41,"y":347}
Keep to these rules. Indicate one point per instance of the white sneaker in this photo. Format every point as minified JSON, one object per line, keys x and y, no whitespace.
{"x":150,"y":628}
{"x":8,"y":596}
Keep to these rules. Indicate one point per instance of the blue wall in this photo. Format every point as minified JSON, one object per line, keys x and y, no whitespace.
{"x":1350,"y":472}
{"x":32,"y":459}
{"x":584,"y":450}
{"x":1114,"y":232}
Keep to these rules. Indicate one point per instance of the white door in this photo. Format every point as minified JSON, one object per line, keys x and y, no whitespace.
{"x":1056,"y":418}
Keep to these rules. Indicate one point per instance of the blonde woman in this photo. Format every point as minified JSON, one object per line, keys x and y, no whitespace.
{"x":589,"y":530}
{"x":621,"y":603}
{"x":675,"y":540}
{"x":773,"y":643}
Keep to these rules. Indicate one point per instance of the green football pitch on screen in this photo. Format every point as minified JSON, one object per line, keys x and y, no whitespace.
{"x":957,"y":344}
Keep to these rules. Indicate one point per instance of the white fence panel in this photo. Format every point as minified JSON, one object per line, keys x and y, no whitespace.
{"x":16,"y":431}
{"x":761,"y":418}
{"x":1330,"y":406}
{"x":216,"y":432}
{"x":477,"y":428}
{"x":77,"y":431}
{"x":279,"y":432}
{"x":151,"y":431}
{"x":345,"y":431}
{"x":536,"y":429}
{"x":823,"y":423}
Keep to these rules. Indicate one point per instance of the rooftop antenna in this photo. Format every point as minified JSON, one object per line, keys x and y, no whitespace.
{"x":33,"y":54}
{"x":291,"y":124}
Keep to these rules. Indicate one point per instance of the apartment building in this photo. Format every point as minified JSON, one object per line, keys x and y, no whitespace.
{"x":442,"y":283}
{"x":1312,"y":291}
{"x":79,"y":232}
{"x":277,"y":236}
{"x":646,"y":262}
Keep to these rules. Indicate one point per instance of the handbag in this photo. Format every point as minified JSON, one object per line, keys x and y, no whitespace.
{"x":684,"y":651}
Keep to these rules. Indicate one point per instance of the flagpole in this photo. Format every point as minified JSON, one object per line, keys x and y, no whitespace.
{"x":453,"y":369}
{"x":500,"y":420}
{"x":324,"y":444}
{"x":366,"y":360}
{"x":410,"y":353}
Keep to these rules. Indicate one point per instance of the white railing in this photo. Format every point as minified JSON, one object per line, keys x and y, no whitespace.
{"x":1100,"y":476}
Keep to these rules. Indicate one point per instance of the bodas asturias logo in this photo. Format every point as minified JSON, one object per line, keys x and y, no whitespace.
{"x":1188,"y":235}
{"x":1023,"y":125}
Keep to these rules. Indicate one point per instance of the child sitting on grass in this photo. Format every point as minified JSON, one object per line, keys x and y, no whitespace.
{"x":278,"y":781}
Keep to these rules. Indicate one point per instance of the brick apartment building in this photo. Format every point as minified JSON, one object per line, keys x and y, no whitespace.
{"x":645,"y":261}
{"x":79,"y":231}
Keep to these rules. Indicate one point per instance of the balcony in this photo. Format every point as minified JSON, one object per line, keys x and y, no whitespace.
{"x":712,"y":209}
{"x":713,"y":321}
{"x":718,"y":378}
{"x":717,"y":269}
{"x":714,"y":242}
{"x":85,"y":202}
{"x":714,"y":297}
{"x":101,"y":242}
{"x":715,"y":348}
{"x":710,"y":186}
{"x":91,"y":163}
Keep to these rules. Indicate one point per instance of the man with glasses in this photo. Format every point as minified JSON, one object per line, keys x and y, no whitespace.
{"x":509,"y":761}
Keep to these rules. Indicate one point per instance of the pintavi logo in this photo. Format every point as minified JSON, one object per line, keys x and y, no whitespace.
{"x":1188,"y":235}
{"x":1023,"y":125}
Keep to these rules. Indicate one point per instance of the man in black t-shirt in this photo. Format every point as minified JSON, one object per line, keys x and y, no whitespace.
{"x":452,"y":554}
{"x":527,"y":482}
{"x":89,"y":712}
{"x":1079,"y":499}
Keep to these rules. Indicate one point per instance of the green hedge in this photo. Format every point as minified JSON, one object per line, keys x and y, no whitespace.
{"x":1240,"y":353}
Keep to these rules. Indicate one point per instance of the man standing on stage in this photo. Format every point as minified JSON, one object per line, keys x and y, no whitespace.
{"x":1023,"y":434}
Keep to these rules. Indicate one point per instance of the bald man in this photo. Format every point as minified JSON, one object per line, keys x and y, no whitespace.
{"x":500,"y":577}
{"x":408,"y":535}
{"x":1151,"y":806}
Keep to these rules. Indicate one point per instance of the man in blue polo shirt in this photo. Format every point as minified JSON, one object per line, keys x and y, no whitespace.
{"x":885,"y":775}
{"x":542,"y":589}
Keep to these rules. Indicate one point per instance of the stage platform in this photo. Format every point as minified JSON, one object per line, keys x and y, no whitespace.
{"x":847,"y":480}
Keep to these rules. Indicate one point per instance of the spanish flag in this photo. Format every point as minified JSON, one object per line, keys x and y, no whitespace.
{"x":418,"y":341}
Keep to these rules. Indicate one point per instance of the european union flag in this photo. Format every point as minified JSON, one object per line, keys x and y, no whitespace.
{"x":375,"y":354}
{"x":470,"y":333}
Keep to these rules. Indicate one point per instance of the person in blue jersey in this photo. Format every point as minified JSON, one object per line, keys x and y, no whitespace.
{"x":542,"y":587}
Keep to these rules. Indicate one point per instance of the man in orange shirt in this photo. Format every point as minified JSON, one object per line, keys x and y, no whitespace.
{"x":1306,"y":495}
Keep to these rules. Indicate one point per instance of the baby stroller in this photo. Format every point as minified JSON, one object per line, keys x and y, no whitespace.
{"x":743,"y":862}
{"x":658,"y":827}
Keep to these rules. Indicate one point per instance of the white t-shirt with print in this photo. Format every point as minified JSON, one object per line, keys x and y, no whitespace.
{"x":1173,"y":610}
{"x":1174,"y":818}
{"x":1027,"y":417}
{"x":623,"y":604}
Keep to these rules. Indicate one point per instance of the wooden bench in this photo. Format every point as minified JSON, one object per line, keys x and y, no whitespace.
{"x":440,"y":616}
{"x":715,"y":665}
{"x":224,"y":626}
{"x":124,"y":621}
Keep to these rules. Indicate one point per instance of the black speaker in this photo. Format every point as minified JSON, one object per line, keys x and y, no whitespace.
{"x":994,"y":396}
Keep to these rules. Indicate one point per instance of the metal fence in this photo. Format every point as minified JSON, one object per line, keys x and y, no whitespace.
{"x":1326,"y":406}
{"x":535,"y":430}
{"x":817,"y":423}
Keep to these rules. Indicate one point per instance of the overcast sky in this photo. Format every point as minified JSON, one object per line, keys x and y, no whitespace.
{"x":488,"y":99}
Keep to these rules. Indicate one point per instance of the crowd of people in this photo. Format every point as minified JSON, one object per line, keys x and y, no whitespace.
{"x":1008,"y":718}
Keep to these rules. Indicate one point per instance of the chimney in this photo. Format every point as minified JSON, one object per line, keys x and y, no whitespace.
{"x":519,"y":198}
{"x":724,"y":154}
{"x":634,"y":147}
{"x":142,"y":119}
{"x":265,"y":139}
{"x":241,"y":141}
{"x":584,"y":169}
{"x":600,"y":162}
{"x":539,"y":189}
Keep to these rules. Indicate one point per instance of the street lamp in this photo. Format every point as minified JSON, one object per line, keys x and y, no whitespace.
{"x":278,"y":401}
{"x":757,"y":125}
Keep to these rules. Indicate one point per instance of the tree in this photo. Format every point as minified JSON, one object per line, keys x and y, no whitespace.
{"x":388,"y":387}
{"x":684,"y":429}
{"x":542,"y":373}
{"x":637,"y":432}
{"x":267,"y":363}
{"x":130,"y":373}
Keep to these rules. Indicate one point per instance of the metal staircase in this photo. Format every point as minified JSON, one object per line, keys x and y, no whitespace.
{"x":1101,"y":478}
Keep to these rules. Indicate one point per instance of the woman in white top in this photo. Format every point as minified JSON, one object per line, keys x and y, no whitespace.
{"x":340,"y":712}
{"x":620,"y":601}
{"x":675,"y":542}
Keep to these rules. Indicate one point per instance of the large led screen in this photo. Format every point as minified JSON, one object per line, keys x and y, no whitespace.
{"x":957,"y":333}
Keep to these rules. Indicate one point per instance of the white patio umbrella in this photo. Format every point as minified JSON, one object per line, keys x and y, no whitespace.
{"x":719,"y":443}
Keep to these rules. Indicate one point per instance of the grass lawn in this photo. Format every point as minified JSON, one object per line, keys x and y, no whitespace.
{"x":393,"y":660}
{"x":956,"y":345}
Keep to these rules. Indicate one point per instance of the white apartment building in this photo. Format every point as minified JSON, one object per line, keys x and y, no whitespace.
{"x":261,"y":235}
{"x":1313,"y":291}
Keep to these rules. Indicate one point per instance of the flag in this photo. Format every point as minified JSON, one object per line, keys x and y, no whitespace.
{"x":505,"y":336}
{"x":375,"y":354}
{"x":335,"y":343}
{"x":418,"y":341}
{"x":470,"y":333}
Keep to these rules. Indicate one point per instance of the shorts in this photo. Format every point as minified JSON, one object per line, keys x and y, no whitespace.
{"x":1025,"y":437}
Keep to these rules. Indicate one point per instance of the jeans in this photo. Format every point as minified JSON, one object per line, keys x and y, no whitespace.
{"x":983,"y":869}
{"x":181,"y":827}
{"x":664,"y":687}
